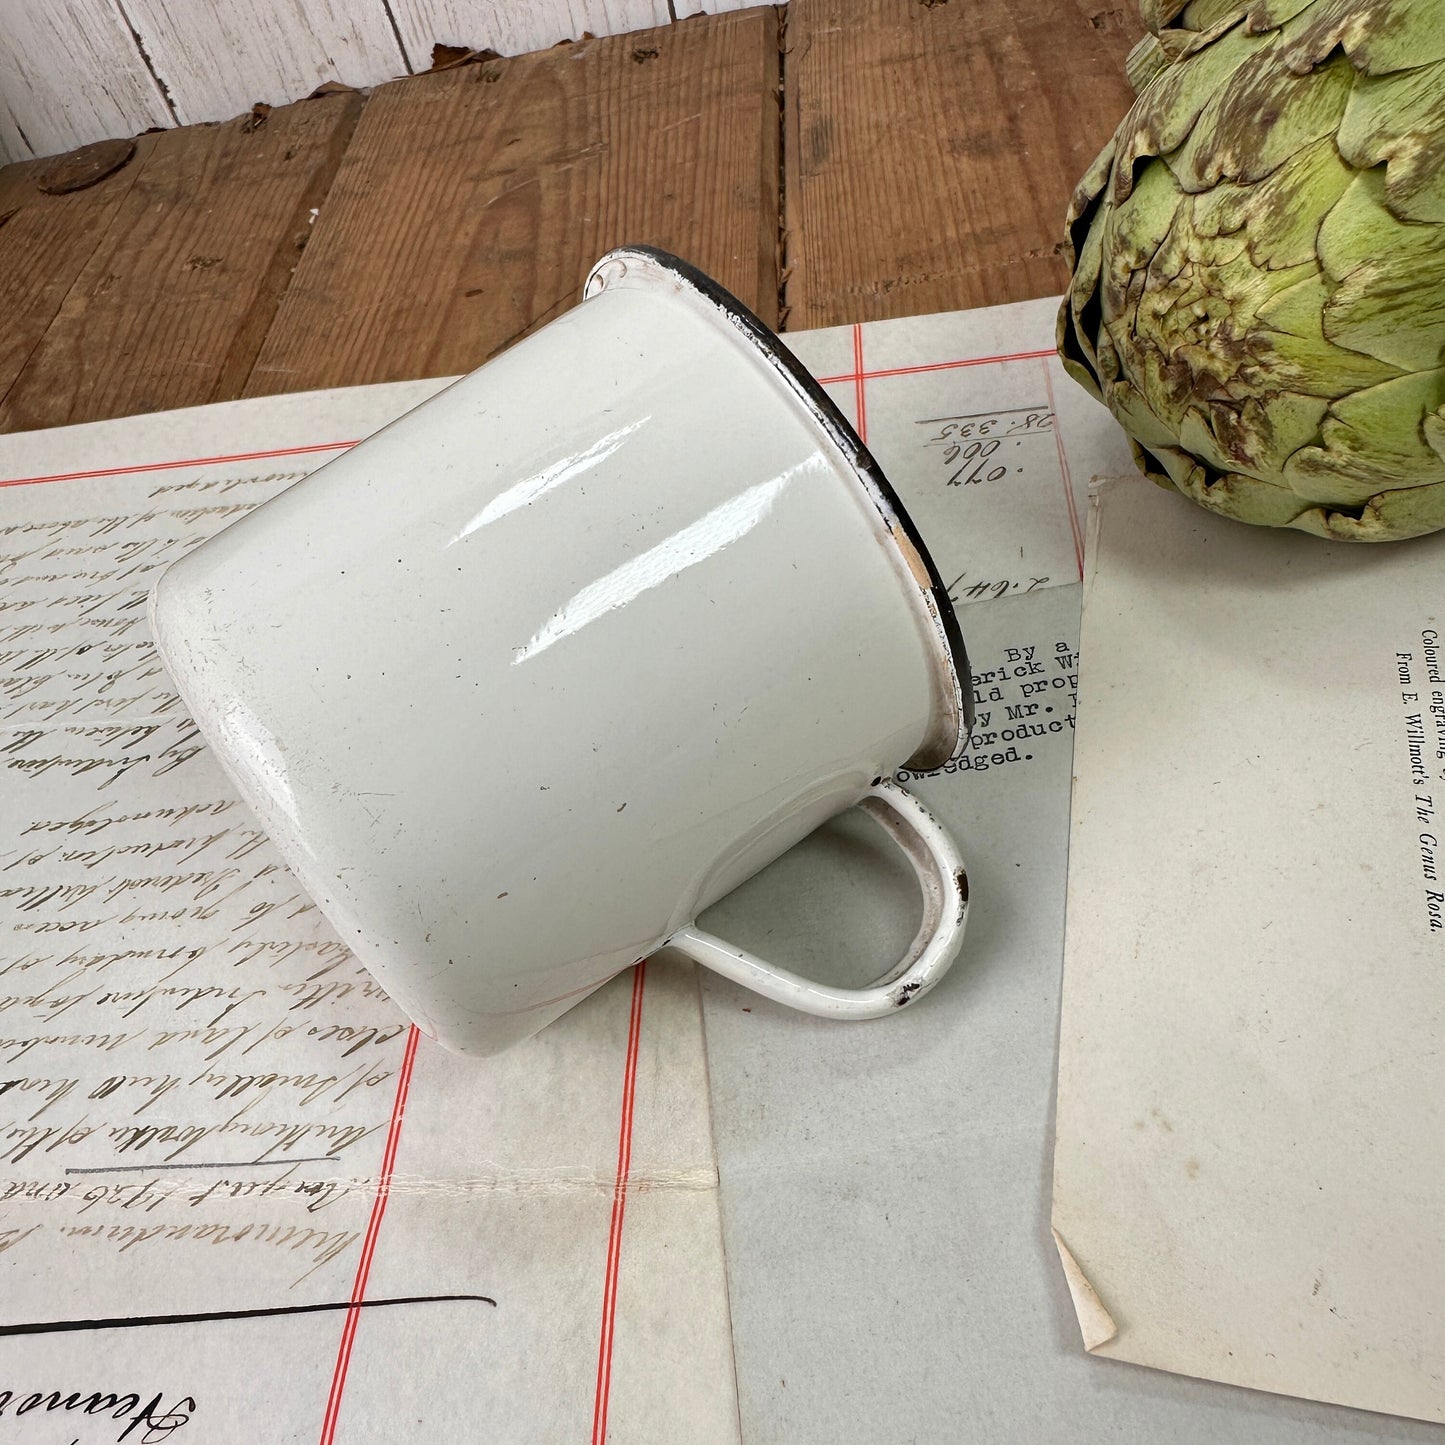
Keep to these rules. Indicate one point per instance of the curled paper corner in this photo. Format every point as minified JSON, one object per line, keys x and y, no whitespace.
{"x":1096,"y":1324}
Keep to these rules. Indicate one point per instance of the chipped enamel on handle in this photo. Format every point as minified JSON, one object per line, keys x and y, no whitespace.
{"x":944,"y":881}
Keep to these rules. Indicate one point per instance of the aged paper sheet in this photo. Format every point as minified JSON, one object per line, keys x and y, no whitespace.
{"x":1250,"y":1161}
{"x":240,"y":1198}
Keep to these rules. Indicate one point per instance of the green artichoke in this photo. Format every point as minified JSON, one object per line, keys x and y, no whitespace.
{"x":1259,"y":262}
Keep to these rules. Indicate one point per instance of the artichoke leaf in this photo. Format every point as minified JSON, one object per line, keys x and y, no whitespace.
{"x":1373,"y":441}
{"x":1156,"y":14}
{"x":1206,"y":14}
{"x":1388,"y":296}
{"x":1139,"y":420}
{"x":1295,"y":310}
{"x":1388,"y":517}
{"x":1083,"y":205}
{"x":1265,"y":115}
{"x":1433,"y":429}
{"x":1165,"y":114}
{"x":1150,"y":393}
{"x":1393,"y":308}
{"x":1245,"y":499}
{"x":1379,"y":36}
{"x":1083,"y":374}
{"x":1180,"y":41}
{"x":1170,"y":468}
{"x":1407,"y":512}
{"x":1151,"y":466}
{"x":1109,"y":369}
{"x":1076,"y":350}
{"x":1280,"y":215}
{"x":1133,"y":233}
{"x":1196,"y":438}
{"x":1147,"y":58}
{"x":1291,"y":345}
{"x":1271,"y":14}
{"x":1256,"y":437}
{"x":1398,"y":121}
{"x":1358,"y":224}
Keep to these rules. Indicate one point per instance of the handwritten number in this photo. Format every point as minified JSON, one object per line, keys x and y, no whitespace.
{"x":974,"y":456}
{"x":976,"y":590}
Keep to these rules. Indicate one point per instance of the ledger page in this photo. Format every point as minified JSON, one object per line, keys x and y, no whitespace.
{"x":240,"y":1197}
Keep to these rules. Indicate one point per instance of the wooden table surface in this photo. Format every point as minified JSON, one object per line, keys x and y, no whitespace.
{"x":834,"y":161}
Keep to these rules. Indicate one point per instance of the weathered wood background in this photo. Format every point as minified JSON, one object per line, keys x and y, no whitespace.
{"x":74,"y":71}
{"x":835,"y":161}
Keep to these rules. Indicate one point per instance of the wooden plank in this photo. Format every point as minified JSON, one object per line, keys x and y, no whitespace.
{"x":45,"y":243}
{"x":71,"y":73}
{"x":171,"y":306}
{"x":217,"y":58}
{"x":512,"y":27}
{"x":472,"y":202}
{"x":930,"y":148}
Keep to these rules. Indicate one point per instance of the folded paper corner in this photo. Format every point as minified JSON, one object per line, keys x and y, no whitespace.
{"x":1096,"y":1324}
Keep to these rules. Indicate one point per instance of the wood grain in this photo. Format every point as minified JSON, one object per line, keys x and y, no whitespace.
{"x":45,"y":243}
{"x":70,"y":73}
{"x":512,"y":27}
{"x":217,"y":58}
{"x":930,"y":148}
{"x":171,"y":305}
{"x":472,"y":202}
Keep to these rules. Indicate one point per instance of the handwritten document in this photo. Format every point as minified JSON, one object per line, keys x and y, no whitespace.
{"x":217,"y":1133}
{"x":1251,"y":1104}
{"x":240,"y":1198}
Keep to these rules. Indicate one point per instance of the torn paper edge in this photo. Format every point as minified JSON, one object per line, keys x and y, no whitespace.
{"x":1096,"y":1324}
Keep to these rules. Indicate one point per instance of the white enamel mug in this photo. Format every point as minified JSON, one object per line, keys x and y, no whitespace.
{"x":524,"y":682}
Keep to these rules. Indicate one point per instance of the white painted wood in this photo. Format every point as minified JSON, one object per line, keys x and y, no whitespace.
{"x":70,"y":73}
{"x":511,"y":27}
{"x":73,"y":71}
{"x":685,"y":8}
{"x":217,"y":58}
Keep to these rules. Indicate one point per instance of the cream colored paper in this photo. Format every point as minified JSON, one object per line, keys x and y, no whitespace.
{"x":1250,"y":1159}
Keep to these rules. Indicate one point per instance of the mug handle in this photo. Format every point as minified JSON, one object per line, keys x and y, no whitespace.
{"x":944,"y":881}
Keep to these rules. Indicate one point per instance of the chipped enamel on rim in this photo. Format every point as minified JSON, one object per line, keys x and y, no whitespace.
{"x":953,"y":679}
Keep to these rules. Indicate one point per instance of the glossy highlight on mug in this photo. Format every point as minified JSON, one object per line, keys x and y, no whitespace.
{"x":727,"y":523}
{"x":530,"y":489}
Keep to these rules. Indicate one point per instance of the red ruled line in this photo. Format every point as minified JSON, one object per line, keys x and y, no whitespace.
{"x":859,"y":376}
{"x":368,"y":1244}
{"x":858,"y":390}
{"x":174,"y":466}
{"x":1064,"y":472}
{"x":619,"y":1209}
